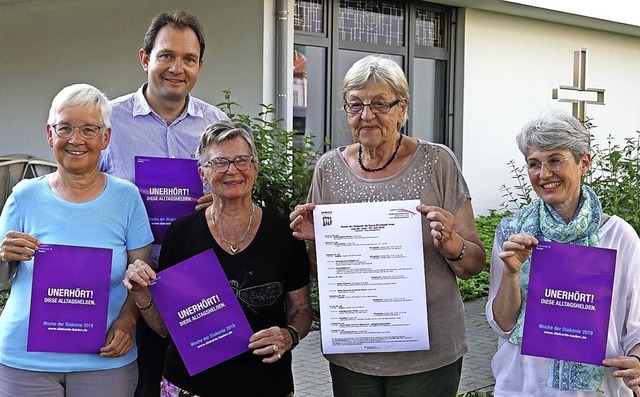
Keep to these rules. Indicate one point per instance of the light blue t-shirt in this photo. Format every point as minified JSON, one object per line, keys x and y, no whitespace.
{"x":116,"y":219}
{"x":136,"y":130}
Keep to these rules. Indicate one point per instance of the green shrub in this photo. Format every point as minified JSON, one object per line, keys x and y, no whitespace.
{"x":478,"y":286}
{"x":615,"y":177}
{"x":4,"y":295}
{"x":515,"y":197}
{"x":286,"y":159}
{"x":520,"y":194}
{"x":315,"y":304}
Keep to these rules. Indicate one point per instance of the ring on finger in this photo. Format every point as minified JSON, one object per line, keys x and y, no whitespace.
{"x":279,"y":356}
{"x":275,"y":349}
{"x":439,"y":238}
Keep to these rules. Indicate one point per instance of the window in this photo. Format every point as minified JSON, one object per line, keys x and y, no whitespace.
{"x":330,"y":35}
{"x":429,"y":29}
{"x":309,"y":16}
{"x":309,"y":82}
{"x":373,"y":22}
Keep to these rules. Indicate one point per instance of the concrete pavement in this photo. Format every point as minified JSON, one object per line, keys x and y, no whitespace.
{"x":311,"y":370}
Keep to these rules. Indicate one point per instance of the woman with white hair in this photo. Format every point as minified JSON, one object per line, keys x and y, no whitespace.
{"x":556,"y":148}
{"x":77,"y":205}
{"x":267,"y":268}
{"x":385,"y":165}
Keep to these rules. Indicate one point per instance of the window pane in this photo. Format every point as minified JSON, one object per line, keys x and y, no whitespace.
{"x":309,"y":81}
{"x":429,"y":28}
{"x":308,"y":16}
{"x":372,"y":22}
{"x":427,"y":117}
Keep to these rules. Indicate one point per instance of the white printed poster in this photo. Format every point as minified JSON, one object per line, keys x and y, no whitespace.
{"x":371,"y":277}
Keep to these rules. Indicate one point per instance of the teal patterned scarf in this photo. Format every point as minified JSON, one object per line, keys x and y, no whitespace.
{"x":540,"y":220}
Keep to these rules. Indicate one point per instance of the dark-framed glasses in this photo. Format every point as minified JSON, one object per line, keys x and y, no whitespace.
{"x":87,"y":131}
{"x":221,"y":165}
{"x":553,"y":165}
{"x":377,"y":107}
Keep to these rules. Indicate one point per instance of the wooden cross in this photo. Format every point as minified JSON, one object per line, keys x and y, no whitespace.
{"x":578,"y":94}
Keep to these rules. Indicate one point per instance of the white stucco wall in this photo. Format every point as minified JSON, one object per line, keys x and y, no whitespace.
{"x":48,"y":44}
{"x":511,"y":65}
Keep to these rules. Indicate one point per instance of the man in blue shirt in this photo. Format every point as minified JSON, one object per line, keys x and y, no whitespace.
{"x":160,"y":119}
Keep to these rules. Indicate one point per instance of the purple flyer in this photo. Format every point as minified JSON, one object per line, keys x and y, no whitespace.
{"x":569,"y":302}
{"x":170,"y":188}
{"x":69,"y":299}
{"x":201,"y":312}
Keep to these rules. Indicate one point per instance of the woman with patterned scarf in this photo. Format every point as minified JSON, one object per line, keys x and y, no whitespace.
{"x":556,"y":148}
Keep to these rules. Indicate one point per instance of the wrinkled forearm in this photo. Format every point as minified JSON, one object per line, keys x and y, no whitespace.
{"x":129,"y":311}
{"x":301,"y":321}
{"x":298,"y":310}
{"x":151,"y":316}
{"x":473,"y":262}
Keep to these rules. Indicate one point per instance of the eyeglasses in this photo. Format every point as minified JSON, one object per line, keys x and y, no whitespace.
{"x":87,"y":131}
{"x":376,"y":107}
{"x":221,"y":165}
{"x":553,"y":165}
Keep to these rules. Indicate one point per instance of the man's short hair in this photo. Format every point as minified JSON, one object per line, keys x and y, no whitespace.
{"x":177,"y":19}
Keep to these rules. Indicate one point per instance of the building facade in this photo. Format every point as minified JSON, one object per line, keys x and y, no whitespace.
{"x":478,"y":70}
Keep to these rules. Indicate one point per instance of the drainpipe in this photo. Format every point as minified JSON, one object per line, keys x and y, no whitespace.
{"x":282,"y":63}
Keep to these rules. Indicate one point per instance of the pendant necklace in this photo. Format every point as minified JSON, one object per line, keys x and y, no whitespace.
{"x":393,"y":156}
{"x":233,"y":247}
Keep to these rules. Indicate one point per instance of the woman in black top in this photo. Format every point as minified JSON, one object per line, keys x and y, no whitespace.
{"x":267,"y":268}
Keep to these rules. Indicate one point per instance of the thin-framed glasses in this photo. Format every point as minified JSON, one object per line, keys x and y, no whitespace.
{"x":553,"y":165}
{"x":221,"y":165}
{"x":377,"y":107}
{"x":87,"y":131}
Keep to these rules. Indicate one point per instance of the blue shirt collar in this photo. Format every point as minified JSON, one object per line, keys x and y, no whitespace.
{"x":141,"y":107}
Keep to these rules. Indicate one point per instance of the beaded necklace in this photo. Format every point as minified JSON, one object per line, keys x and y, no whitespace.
{"x":385,"y":165}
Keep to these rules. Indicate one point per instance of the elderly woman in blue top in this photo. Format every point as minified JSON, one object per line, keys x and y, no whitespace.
{"x":556,"y":149}
{"x":79,"y":206}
